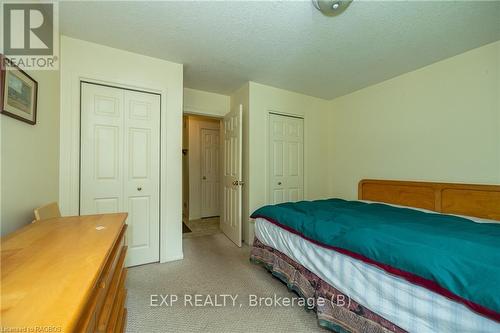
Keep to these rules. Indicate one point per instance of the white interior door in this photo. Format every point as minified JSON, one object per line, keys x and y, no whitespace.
{"x":210,"y":185}
{"x":120,"y":147}
{"x":286,"y":160}
{"x":232,"y":175}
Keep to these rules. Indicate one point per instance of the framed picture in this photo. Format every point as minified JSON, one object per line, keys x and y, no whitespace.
{"x":18,"y":93}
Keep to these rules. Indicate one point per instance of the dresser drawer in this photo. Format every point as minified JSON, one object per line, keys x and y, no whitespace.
{"x":106,"y":291}
{"x":112,"y":297}
{"x":122,"y":323}
{"x":111,"y":264}
{"x":118,"y":309}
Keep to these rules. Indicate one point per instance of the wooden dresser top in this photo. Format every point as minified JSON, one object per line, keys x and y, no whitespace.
{"x":49,"y":268}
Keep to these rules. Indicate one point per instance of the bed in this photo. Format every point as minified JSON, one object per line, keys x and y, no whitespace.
{"x":374,"y":283}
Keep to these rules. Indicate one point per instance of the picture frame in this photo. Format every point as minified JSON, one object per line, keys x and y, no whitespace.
{"x":18,"y":93}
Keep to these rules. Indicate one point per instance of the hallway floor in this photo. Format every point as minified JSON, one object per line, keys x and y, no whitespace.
{"x":203,"y":227}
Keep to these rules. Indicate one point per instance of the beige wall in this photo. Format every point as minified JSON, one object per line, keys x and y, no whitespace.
{"x":30,"y":157}
{"x":262,"y":100}
{"x":81,"y":60}
{"x":438,"y":123}
{"x":195,"y":124}
{"x":205,"y":103}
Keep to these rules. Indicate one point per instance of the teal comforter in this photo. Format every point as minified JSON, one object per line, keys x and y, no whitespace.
{"x":450,"y":255}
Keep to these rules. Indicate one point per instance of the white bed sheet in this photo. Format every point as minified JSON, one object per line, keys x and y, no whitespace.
{"x":409,"y":306}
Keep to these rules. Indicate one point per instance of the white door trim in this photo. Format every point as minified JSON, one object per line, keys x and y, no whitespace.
{"x":69,"y":176}
{"x":282,"y":114}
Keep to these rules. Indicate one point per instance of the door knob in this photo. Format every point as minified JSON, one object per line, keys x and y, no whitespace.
{"x":139,"y":189}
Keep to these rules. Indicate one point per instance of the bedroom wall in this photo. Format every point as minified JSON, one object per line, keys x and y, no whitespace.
{"x":99,"y":63}
{"x":438,"y":123}
{"x":29,"y":160}
{"x":262,"y":100}
{"x":205,"y":103}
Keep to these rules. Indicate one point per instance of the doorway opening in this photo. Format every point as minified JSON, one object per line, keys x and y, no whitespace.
{"x":201,"y":170}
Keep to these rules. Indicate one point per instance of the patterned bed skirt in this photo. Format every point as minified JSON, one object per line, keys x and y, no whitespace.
{"x":336,"y":311}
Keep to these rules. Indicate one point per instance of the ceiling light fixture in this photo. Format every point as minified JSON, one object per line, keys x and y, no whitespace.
{"x":331,"y":7}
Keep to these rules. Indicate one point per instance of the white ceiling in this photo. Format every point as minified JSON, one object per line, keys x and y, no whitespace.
{"x":287,"y":44}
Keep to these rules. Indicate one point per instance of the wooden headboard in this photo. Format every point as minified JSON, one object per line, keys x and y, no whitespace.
{"x":463,"y":199}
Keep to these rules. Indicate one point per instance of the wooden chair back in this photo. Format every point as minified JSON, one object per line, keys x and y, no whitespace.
{"x":48,"y":211}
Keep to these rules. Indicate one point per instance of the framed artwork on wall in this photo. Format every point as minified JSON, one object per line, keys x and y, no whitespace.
{"x":18,"y":93}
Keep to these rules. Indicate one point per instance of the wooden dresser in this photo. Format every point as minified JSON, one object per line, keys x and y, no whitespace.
{"x":65,"y":275}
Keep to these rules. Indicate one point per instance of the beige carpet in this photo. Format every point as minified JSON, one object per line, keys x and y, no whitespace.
{"x":202,"y":227}
{"x":212,"y":265}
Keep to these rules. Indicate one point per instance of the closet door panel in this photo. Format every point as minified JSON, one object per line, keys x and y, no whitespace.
{"x":286,"y":159}
{"x":142,"y":176}
{"x":101,"y":167}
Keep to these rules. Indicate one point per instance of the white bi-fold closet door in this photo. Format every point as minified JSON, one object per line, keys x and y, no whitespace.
{"x":120,"y":163}
{"x":286,"y":158}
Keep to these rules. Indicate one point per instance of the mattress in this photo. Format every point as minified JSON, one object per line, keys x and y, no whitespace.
{"x":411,"y":307}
